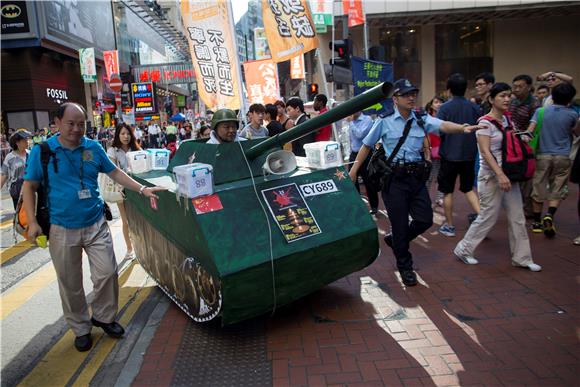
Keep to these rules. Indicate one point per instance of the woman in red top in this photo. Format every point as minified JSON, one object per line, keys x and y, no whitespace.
{"x":432,"y":108}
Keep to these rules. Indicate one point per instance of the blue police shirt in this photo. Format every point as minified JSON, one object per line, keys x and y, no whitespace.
{"x":390,"y":130}
{"x":66,"y":209}
{"x":359,"y":128}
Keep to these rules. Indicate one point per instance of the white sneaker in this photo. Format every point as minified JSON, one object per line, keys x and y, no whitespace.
{"x":532,"y":266}
{"x":467,"y":259}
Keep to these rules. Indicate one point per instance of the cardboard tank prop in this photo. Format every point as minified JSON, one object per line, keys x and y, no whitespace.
{"x":269,"y":233}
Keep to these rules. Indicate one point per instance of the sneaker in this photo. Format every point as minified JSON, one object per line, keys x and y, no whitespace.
{"x":447,"y":230}
{"x":577,"y":241}
{"x":467,"y":259}
{"x":549,"y":229}
{"x":531,"y":266}
{"x":439,"y":202}
{"x":471,"y":218}
{"x":537,"y":227}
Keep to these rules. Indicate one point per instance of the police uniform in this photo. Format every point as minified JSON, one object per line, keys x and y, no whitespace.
{"x":405,"y":193}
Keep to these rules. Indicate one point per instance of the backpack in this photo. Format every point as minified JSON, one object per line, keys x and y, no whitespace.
{"x":20,"y":221}
{"x":518,"y":161}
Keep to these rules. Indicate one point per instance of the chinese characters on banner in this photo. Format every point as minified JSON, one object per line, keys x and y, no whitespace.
{"x":366,"y":74}
{"x":353,"y":8}
{"x":209,"y":27}
{"x":297,"y":67}
{"x":87,"y":60}
{"x":262,"y":81}
{"x":289,"y":28}
{"x":111,"y":59}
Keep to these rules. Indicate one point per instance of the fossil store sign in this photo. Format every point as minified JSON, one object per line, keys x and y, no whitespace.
{"x":56,"y":95}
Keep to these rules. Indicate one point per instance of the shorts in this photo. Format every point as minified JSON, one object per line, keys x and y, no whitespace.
{"x":551,"y":177}
{"x":449,"y":171}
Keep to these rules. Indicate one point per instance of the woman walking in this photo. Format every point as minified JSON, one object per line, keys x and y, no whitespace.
{"x":123,"y":142}
{"x":496,"y":191}
{"x":14,"y":164}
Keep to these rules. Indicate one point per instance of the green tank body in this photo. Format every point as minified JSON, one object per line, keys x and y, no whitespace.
{"x":261,"y":240}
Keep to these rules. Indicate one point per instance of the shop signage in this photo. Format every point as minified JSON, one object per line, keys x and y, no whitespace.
{"x":57,"y":95}
{"x":111,"y":59}
{"x":143,"y":98}
{"x":88,"y":69}
{"x":165,"y":74}
{"x":146,"y":118}
{"x":14,"y":17}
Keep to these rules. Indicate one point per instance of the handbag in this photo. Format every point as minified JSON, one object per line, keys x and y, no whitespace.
{"x":111,"y":191}
{"x":379,"y":168}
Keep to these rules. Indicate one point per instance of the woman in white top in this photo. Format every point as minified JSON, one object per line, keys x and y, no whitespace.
{"x":496,"y":191}
{"x":123,"y":142}
{"x":14,"y":164}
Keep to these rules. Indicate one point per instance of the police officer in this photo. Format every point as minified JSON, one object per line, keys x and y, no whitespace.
{"x":405,"y":192}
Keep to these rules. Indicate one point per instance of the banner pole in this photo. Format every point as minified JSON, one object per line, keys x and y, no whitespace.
{"x":243,"y":107}
{"x":365,"y":30}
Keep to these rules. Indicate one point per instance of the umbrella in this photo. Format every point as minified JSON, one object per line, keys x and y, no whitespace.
{"x":177,"y":117}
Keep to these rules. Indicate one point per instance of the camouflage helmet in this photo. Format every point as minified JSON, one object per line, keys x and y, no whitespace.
{"x":223,"y":115}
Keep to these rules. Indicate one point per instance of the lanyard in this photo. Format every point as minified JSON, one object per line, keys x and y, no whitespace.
{"x":80,"y":173}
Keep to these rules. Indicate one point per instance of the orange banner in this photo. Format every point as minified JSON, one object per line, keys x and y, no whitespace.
{"x":297,"y":67}
{"x":111,"y":59}
{"x":289,"y":28}
{"x":354,"y":10}
{"x":262,"y":81}
{"x":209,"y":27}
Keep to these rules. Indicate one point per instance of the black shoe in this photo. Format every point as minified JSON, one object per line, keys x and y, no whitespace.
{"x":389,"y":240}
{"x":549,"y":229}
{"x":409,"y":277}
{"x":373,"y":211}
{"x":83,"y":343}
{"x":113,"y":329}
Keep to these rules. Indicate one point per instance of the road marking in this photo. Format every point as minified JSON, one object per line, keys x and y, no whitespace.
{"x":19,"y":248}
{"x":59,"y":372}
{"x":24,"y":291}
{"x":6,"y":224}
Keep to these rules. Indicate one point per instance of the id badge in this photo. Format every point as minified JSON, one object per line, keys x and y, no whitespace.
{"x":84,"y":194}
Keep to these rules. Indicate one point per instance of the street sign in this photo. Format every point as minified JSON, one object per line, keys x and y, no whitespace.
{"x":115,"y":83}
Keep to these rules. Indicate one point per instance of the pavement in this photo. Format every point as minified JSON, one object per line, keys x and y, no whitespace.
{"x":487,"y":324}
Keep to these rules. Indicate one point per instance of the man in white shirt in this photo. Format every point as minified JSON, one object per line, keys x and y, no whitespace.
{"x":154,"y":130}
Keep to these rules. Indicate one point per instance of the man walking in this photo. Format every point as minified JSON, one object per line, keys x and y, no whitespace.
{"x":522,"y":108}
{"x":405,"y":193}
{"x":319,"y":105}
{"x":295,"y":109}
{"x":359,"y":127}
{"x":457,"y":152}
{"x":77,"y":222}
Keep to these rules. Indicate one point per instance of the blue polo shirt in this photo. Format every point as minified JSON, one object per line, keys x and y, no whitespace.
{"x":359,"y":128}
{"x":390,"y":130}
{"x":66,"y":208}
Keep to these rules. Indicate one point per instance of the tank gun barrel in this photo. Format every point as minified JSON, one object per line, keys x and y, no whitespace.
{"x":362,"y":101}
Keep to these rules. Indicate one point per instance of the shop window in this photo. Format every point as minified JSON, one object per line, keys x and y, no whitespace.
{"x":402,"y":49}
{"x":462,"y":48}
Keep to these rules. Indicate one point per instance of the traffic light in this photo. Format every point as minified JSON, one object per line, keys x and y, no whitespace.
{"x":312,"y":91}
{"x":343,"y":48}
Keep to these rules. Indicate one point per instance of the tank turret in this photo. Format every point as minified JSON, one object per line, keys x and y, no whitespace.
{"x":260,"y":240}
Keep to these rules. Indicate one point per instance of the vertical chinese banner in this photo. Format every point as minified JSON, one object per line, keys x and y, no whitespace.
{"x":262,"y":81}
{"x":289,"y":28}
{"x":211,"y":42}
{"x":353,"y":8}
{"x":111,"y":59}
{"x":297,"y":67}
{"x":87,"y":61}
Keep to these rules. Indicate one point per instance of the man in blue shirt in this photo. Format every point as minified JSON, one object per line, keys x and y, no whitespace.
{"x":77,"y":222}
{"x":405,"y":193}
{"x":458,"y":152}
{"x":359,"y":127}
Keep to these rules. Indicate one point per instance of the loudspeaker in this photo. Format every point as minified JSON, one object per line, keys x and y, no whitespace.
{"x":280,"y":162}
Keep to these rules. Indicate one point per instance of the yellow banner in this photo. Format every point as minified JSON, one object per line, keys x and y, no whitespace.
{"x":289,"y":28}
{"x":297,"y":67}
{"x":209,"y":27}
{"x":262,"y":81}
